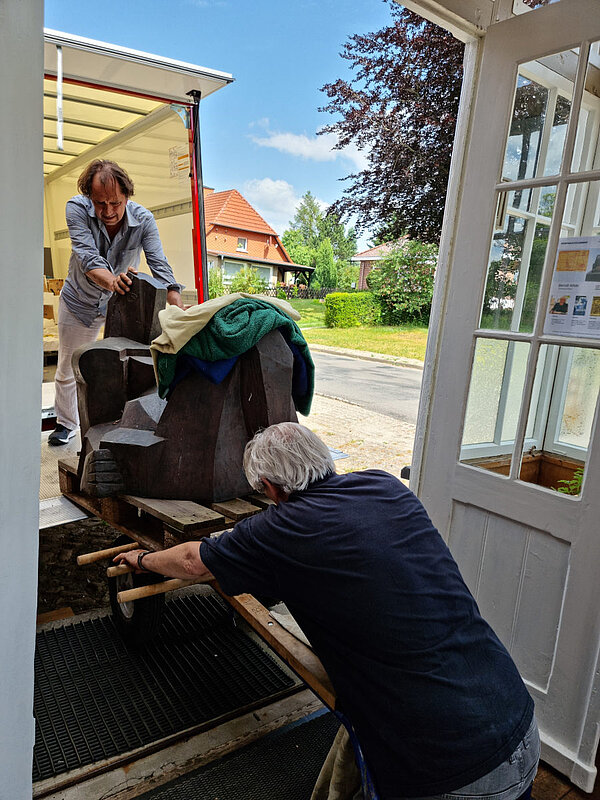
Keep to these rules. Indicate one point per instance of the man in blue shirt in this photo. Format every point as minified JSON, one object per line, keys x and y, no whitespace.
{"x":433,"y":698}
{"x":108,"y":232}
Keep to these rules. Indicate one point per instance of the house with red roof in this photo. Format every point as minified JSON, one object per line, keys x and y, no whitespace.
{"x":237,"y":236}
{"x":368,"y":258}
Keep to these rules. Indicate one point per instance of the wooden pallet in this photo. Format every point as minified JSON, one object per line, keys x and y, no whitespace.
{"x":157,"y":524}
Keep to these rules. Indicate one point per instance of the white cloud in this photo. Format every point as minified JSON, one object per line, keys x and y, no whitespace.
{"x":311,"y":148}
{"x":275,"y":200}
{"x":260,"y":123}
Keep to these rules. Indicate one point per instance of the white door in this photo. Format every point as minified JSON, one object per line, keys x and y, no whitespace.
{"x":516,"y":373}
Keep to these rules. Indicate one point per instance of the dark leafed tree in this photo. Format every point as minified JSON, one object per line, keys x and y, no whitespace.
{"x":400,"y":109}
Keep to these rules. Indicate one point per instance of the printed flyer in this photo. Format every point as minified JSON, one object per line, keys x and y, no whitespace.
{"x":574,"y":307}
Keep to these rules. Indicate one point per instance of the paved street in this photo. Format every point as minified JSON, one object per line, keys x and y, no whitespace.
{"x":382,"y":388}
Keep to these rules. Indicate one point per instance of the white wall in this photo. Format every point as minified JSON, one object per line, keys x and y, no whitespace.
{"x":21,"y":240}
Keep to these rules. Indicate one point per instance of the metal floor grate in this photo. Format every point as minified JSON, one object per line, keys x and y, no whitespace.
{"x":281,"y":766}
{"x":96,"y":697}
{"x":58,"y":511}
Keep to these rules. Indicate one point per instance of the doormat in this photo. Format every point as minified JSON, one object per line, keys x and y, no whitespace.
{"x":96,"y":697}
{"x":282,"y":766}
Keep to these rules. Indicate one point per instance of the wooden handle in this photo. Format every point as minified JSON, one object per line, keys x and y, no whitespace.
{"x":128,"y":595}
{"x":90,"y":558}
{"x":121,"y":569}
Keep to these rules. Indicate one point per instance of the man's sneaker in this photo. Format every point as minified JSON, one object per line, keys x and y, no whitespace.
{"x":60,"y":435}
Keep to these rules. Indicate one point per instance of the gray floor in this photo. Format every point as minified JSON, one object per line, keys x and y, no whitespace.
{"x":54,"y":509}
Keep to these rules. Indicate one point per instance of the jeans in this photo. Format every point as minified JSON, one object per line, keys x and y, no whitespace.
{"x":506,"y":782}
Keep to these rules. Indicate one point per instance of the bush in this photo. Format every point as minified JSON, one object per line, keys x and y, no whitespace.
{"x":248,"y":280}
{"x":348,"y":274}
{"x":403,"y":284}
{"x":344,"y":310}
{"x":215,"y":282}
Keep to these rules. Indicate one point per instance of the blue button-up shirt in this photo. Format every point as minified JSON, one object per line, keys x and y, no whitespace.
{"x":92,"y":248}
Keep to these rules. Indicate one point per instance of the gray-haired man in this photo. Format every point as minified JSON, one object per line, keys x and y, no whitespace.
{"x":435,"y":702}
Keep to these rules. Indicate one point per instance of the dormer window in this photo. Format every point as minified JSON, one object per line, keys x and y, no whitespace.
{"x":242,"y":245}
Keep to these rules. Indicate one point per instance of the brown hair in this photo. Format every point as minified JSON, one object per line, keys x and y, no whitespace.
{"x":107,"y":171}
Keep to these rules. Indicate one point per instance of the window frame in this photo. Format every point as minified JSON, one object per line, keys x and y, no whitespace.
{"x":579,"y":190}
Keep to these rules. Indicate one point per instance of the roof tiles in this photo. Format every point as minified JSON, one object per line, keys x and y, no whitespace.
{"x":234,"y":211}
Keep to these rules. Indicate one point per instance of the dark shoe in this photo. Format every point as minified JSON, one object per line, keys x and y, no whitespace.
{"x":60,"y":435}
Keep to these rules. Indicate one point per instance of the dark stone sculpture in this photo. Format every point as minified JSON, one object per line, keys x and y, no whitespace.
{"x":189,"y":448}
{"x":594,"y":273}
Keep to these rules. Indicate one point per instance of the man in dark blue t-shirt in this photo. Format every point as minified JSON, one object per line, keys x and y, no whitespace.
{"x":434,"y":699}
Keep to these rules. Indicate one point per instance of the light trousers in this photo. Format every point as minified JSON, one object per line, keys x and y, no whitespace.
{"x":72,"y":333}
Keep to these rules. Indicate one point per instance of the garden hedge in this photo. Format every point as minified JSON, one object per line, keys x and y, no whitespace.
{"x":350,"y":309}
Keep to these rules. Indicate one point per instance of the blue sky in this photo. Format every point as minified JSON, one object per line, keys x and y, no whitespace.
{"x":259,"y":133}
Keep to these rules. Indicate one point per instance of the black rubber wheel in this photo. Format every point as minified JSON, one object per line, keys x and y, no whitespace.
{"x":137,"y":621}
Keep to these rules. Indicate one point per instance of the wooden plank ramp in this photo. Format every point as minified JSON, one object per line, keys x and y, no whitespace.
{"x":182,"y":515}
{"x":302,"y":659}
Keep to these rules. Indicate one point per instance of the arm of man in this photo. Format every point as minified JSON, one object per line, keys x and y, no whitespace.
{"x":182,"y":561}
{"x":107,"y":280}
{"x":83,"y":245}
{"x":159,"y":266}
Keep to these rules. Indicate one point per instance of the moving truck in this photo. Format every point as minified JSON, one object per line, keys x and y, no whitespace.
{"x":142,"y":111}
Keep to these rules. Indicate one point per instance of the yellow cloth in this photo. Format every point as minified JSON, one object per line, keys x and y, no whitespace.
{"x":339,"y":778}
{"x":179,"y":326}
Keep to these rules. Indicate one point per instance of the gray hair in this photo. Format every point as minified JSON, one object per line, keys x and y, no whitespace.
{"x":288,"y":455}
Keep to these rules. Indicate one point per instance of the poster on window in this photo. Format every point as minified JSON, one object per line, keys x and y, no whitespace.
{"x":574,"y":304}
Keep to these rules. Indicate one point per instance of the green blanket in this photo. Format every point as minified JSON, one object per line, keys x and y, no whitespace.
{"x":232,"y":331}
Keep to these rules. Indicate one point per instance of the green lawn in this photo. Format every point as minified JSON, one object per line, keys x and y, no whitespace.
{"x":312,"y":311}
{"x":405,"y":341}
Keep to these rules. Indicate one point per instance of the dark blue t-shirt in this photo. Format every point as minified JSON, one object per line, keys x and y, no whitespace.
{"x":433,"y":695}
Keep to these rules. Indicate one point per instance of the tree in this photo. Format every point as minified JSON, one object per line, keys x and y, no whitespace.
{"x":403,"y":283}
{"x":307,"y":232}
{"x":299,"y":252}
{"x":325,"y":269}
{"x":306,"y":220}
{"x":400,"y":109}
{"x":344,"y":244}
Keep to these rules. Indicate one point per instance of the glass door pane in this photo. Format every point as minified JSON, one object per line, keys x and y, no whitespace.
{"x":516,"y":260}
{"x":540,"y":116}
{"x":563,"y":414}
{"x":493,"y":404}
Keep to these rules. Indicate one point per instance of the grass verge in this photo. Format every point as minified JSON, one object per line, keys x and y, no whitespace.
{"x":405,"y":341}
{"x":312,"y":311}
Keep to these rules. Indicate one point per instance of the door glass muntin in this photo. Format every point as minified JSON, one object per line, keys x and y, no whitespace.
{"x":539,"y":144}
{"x":493,"y":403}
{"x":571,"y":377}
{"x":516,"y":261}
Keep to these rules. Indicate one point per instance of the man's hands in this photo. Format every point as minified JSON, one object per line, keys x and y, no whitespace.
{"x":123,"y":281}
{"x":121,"y":284}
{"x":131,"y":559}
{"x":181,"y":561}
{"x":174,"y":299}
{"x":114,"y":283}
